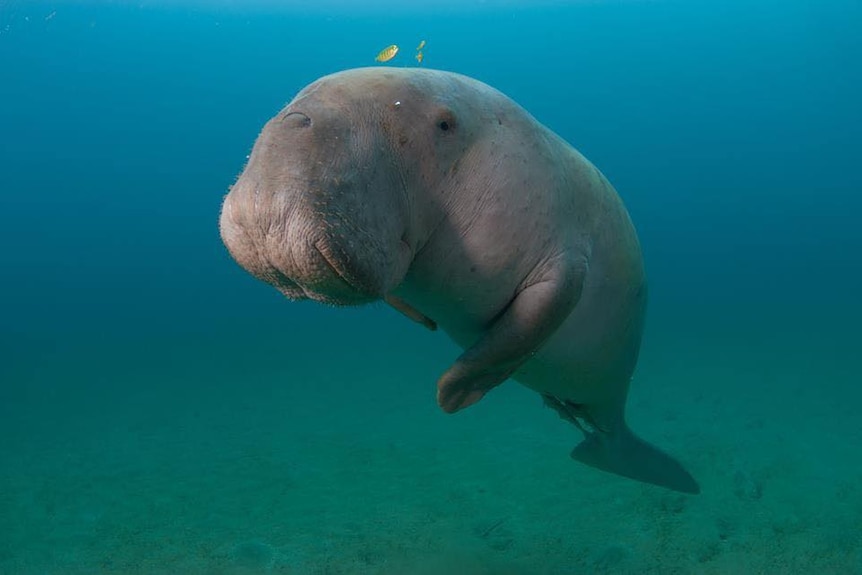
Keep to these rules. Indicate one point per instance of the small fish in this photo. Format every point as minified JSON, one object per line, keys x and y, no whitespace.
{"x":387,"y":53}
{"x":421,"y":45}
{"x":419,"y":57}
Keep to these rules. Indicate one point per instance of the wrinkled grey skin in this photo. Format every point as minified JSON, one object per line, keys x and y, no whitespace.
{"x":445,"y":198}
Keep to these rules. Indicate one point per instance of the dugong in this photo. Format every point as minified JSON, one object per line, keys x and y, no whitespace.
{"x":440,"y":195}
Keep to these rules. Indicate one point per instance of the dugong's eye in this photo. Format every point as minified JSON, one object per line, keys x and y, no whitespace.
{"x":446,"y":122}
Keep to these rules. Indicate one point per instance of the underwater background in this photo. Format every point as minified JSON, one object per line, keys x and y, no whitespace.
{"x":163,"y":412}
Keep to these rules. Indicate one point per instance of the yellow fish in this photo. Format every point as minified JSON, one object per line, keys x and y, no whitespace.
{"x":387,"y":53}
{"x":421,"y":45}
{"x":419,"y":57}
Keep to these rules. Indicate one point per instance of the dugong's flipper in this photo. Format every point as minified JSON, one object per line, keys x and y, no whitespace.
{"x":529,"y":319}
{"x":411,"y":312}
{"x":618,"y":450}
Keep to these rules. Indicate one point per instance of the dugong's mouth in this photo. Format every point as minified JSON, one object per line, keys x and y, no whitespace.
{"x":343,"y":286}
{"x":327,"y":278}
{"x":337,"y":292}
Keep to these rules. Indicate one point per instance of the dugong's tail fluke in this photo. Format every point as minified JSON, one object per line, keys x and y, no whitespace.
{"x":624,"y":453}
{"x":611,"y":446}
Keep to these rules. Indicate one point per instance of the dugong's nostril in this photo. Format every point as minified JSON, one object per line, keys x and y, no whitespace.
{"x":296,"y":120}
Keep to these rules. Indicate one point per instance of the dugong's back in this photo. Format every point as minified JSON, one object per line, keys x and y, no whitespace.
{"x":597,"y":346}
{"x":584,"y":369}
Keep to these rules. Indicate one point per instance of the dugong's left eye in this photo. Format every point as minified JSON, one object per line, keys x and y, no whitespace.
{"x":446,"y":122}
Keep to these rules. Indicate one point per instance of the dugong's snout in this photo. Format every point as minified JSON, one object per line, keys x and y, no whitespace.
{"x":320,"y":211}
{"x":299,"y":260}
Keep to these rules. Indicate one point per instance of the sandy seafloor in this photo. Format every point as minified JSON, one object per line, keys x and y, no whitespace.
{"x":207,"y":457}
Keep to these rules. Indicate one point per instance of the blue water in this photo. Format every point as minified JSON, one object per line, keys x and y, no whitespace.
{"x":163,"y":412}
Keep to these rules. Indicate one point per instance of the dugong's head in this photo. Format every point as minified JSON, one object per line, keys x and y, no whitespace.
{"x":333,"y":203}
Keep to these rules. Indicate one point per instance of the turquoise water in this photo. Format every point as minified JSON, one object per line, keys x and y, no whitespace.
{"x":163,"y":412}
